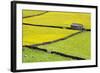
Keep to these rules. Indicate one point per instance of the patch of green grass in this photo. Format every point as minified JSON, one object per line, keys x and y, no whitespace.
{"x":36,"y":35}
{"x":31,"y":12}
{"x":61,"y":19}
{"x":32,"y":55}
{"x":78,"y":45}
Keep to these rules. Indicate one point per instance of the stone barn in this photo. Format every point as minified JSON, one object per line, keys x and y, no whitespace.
{"x":77,"y":26}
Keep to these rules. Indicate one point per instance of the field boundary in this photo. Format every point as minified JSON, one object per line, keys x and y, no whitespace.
{"x":36,"y":14}
{"x":57,"y":53}
{"x":61,"y":27}
{"x":50,"y":42}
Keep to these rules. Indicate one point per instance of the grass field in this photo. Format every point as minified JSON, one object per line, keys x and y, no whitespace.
{"x":32,"y":55}
{"x":61,"y":19}
{"x":35,"y":35}
{"x":78,"y":45}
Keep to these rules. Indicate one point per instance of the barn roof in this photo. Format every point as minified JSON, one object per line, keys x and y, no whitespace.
{"x":76,"y":24}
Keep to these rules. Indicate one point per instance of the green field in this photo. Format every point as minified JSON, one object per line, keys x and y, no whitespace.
{"x":78,"y":45}
{"x":32,"y":55}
